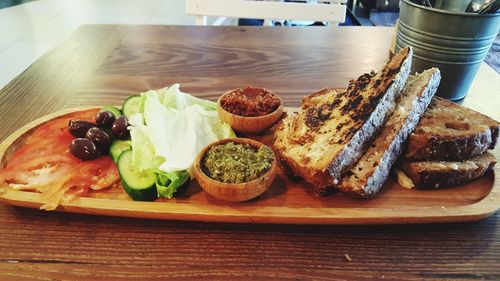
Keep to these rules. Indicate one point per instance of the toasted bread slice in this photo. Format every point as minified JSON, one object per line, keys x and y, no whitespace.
{"x":436,"y":174}
{"x":333,"y":129}
{"x":452,"y":132}
{"x":370,"y":172}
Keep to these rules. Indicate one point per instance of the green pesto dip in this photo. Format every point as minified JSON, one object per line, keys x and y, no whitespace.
{"x":236,"y":162}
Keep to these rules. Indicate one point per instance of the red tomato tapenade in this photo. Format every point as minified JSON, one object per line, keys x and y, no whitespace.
{"x":250,"y":102}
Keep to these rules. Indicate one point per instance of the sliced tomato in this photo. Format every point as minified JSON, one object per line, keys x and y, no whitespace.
{"x":96,"y":174}
{"x":57,"y":126}
{"x":52,"y":138}
{"x":37,"y":179}
{"x":45,"y":164}
{"x":78,"y":190}
{"x":56,"y":148}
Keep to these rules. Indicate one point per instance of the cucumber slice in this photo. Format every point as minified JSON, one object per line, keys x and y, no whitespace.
{"x":132,"y":105}
{"x":139,"y":186}
{"x":113,"y":110}
{"x":117,"y":147}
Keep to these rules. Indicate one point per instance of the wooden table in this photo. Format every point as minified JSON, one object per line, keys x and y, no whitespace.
{"x":103,"y":64}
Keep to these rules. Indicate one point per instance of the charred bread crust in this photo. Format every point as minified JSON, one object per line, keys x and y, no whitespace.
{"x":362,"y":138}
{"x":438,"y":174}
{"x":435,"y":148}
{"x":452,"y":132}
{"x":366,"y":178}
{"x":334,"y":129}
{"x":313,"y":176}
{"x":494,"y":135}
{"x":308,"y":101}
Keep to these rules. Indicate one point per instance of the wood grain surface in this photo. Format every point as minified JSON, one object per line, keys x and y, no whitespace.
{"x":104,"y":64}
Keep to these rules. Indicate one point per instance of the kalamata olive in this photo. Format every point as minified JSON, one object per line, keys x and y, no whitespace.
{"x":109,"y":132}
{"x":119,"y":128}
{"x":83,"y":149}
{"x":105,"y":119}
{"x":79,"y":128}
{"x":100,"y":138}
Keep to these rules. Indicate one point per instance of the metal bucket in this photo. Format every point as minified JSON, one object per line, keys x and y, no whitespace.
{"x":454,"y":42}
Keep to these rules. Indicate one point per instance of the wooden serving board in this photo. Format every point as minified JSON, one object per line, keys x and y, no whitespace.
{"x":289,"y":200}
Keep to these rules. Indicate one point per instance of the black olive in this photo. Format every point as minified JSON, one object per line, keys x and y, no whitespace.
{"x":109,"y":132}
{"x":79,"y":128}
{"x":119,"y":128}
{"x":83,"y":149}
{"x":100,"y":138}
{"x":105,"y":119}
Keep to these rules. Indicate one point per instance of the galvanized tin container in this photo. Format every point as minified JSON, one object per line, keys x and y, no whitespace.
{"x":454,"y":42}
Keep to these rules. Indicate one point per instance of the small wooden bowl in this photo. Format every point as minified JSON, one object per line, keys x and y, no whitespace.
{"x":234,"y":192}
{"x":246,"y":124}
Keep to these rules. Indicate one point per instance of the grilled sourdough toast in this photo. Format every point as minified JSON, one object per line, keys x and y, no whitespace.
{"x":368,"y":175}
{"x":436,"y":174}
{"x":333,"y":129}
{"x":451,"y":132}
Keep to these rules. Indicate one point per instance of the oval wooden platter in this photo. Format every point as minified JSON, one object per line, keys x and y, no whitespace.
{"x":289,"y":200}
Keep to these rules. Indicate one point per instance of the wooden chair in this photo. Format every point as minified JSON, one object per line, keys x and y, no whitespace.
{"x":330,"y":11}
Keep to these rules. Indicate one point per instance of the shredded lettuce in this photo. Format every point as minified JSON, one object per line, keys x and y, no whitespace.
{"x":174,"y":98}
{"x":168,"y":183}
{"x":174,"y":127}
{"x":144,"y":157}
